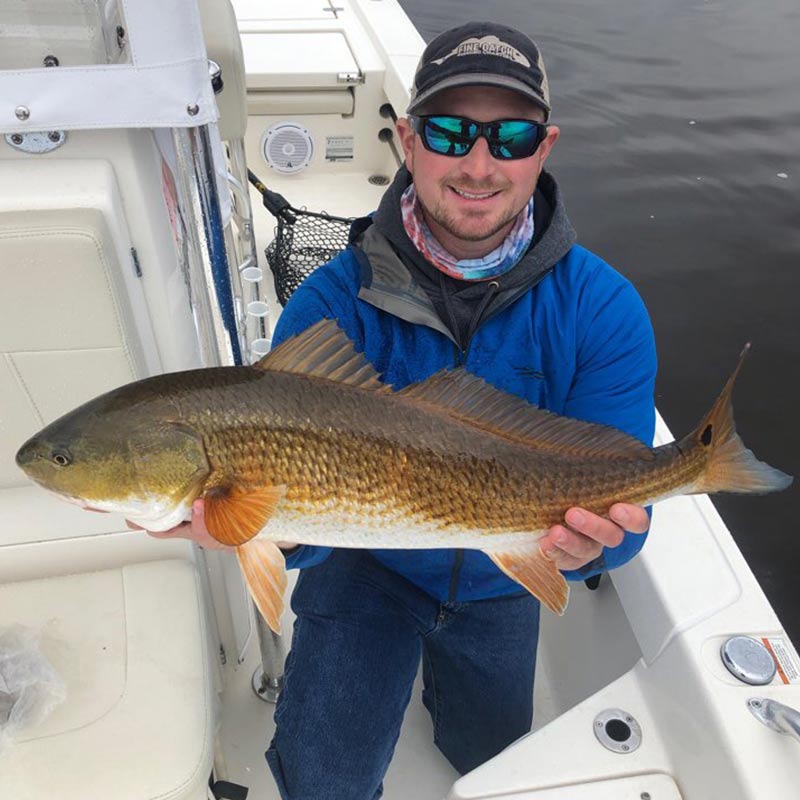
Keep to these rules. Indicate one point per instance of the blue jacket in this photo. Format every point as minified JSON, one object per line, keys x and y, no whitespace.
{"x":577,"y":342}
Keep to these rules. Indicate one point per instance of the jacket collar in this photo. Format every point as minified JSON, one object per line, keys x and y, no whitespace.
{"x":396,"y":279}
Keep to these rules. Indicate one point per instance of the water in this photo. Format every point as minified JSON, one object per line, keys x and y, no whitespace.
{"x":679,"y":159}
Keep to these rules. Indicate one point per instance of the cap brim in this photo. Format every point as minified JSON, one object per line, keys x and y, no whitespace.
{"x":479,"y":79}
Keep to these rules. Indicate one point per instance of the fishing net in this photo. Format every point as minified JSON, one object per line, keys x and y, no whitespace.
{"x":304,"y":240}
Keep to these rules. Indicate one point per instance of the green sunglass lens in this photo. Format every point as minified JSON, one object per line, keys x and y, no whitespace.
{"x":514,"y":139}
{"x":449,"y":135}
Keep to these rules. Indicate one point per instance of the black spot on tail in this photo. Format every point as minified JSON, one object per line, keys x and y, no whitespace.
{"x":707,"y":435}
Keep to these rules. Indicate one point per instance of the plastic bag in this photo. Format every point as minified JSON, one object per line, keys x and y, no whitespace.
{"x":29,"y":686}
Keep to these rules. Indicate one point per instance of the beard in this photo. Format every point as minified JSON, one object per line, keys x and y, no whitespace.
{"x":468,"y":227}
{"x":459,"y":223}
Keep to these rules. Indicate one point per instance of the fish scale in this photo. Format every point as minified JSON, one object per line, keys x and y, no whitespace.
{"x":522,"y":491}
{"x":309,"y":447}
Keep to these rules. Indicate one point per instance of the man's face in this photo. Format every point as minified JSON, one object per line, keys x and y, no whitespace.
{"x":470,"y":203}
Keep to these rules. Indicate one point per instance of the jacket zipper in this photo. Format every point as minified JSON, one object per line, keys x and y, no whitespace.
{"x":460,"y":361}
{"x":460,"y":358}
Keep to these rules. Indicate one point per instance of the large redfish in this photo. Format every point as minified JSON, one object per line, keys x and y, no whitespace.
{"x":312,"y":442}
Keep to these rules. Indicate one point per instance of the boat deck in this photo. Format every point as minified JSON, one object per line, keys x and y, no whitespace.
{"x":418,"y":769}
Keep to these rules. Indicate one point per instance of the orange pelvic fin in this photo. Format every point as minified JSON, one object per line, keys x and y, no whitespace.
{"x":530,"y":567}
{"x":234,"y":515}
{"x":264,"y":570}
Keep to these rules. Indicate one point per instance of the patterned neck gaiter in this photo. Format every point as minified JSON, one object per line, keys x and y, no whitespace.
{"x":499,"y":261}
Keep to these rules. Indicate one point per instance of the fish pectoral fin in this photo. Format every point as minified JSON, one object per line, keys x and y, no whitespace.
{"x":532,"y":569}
{"x":264,"y":570}
{"x":234,"y":514}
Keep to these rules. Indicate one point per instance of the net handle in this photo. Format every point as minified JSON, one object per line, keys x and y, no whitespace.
{"x":275,"y":203}
{"x":280,"y":207}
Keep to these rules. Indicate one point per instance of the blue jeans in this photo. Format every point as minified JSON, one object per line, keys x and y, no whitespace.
{"x":360,"y":632}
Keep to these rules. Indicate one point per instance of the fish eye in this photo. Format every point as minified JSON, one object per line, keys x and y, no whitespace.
{"x":61,"y":458}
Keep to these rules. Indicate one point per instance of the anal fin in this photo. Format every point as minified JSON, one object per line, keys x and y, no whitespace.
{"x":235,"y":514}
{"x":264,"y":570}
{"x":529,"y":566}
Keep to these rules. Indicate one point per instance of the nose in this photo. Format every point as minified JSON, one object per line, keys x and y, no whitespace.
{"x":479,"y":163}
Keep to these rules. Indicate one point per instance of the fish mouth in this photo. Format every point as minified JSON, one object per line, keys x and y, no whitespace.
{"x":67,"y":498}
{"x":76,"y":501}
{"x":82,"y":503}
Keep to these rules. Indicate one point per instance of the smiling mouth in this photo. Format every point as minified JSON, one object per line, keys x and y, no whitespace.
{"x":474,"y":195}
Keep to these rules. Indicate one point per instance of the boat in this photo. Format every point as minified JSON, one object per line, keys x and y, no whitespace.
{"x":132,"y":242}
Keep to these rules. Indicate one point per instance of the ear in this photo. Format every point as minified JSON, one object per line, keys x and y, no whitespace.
{"x":406,"y":134}
{"x":553,"y":132}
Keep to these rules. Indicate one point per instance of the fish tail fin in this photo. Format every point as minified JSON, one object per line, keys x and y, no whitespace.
{"x":526,"y":564}
{"x":264,"y":570}
{"x":731,"y":466}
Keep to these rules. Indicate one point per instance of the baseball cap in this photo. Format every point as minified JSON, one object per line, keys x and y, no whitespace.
{"x":481,"y":54}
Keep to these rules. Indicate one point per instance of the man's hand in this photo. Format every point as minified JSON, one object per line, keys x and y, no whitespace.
{"x":196,"y":531}
{"x":585,"y":535}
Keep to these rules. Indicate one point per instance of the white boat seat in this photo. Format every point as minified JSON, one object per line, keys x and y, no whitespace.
{"x":75,"y":322}
{"x":137,"y":723}
{"x":126,"y":629}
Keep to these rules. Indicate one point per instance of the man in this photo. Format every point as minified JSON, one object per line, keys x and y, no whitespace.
{"x":469,"y":260}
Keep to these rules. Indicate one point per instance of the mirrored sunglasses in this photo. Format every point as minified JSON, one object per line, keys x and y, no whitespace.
{"x":455,"y":136}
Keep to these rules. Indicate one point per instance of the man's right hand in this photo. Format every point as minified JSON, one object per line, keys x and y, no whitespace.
{"x":196,"y":531}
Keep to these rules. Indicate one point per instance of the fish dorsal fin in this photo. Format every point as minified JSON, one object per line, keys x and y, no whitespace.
{"x":323,"y":351}
{"x":472,"y":400}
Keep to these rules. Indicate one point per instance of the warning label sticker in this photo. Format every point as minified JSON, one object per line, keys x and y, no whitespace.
{"x":339,"y":148}
{"x":785,"y":657}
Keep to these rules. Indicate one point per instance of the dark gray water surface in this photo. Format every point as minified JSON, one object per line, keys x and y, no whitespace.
{"x":679,"y":159}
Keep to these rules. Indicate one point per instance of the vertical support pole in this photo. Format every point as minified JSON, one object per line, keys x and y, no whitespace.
{"x":268,"y":678}
{"x":209,"y":285}
{"x":206,"y":258}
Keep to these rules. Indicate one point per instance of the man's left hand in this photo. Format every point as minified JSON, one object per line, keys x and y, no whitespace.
{"x":585,"y":534}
